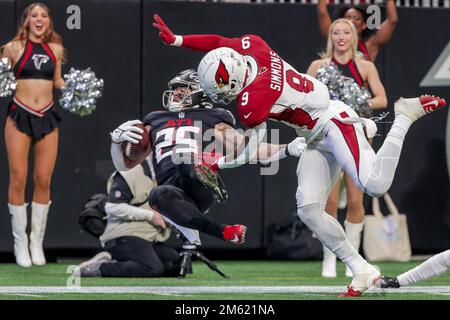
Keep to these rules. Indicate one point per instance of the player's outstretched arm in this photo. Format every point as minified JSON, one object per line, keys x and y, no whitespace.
{"x":234,"y":143}
{"x":268,"y":152}
{"x":206,"y":42}
{"x":255,"y":149}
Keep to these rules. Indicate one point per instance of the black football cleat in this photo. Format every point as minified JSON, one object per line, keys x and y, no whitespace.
{"x":388,"y":282}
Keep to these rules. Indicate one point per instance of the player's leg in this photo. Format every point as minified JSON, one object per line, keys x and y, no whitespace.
{"x":432,"y":267}
{"x":383,"y":168}
{"x":317,"y":172}
{"x":374,"y":172}
{"x":354,"y":221}
{"x":45,"y":153}
{"x":353,"y":224}
{"x":329,"y":258}
{"x":177,"y":206}
{"x":17,"y":147}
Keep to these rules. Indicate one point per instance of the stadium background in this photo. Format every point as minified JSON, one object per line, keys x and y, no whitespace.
{"x":117,"y":40}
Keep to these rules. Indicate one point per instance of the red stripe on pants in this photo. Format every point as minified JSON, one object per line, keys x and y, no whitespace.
{"x":349,"y":133}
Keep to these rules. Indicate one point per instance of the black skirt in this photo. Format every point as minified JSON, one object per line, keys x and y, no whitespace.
{"x":35,"y":124}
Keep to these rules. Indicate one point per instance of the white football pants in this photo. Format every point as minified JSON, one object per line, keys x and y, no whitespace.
{"x":345,"y":146}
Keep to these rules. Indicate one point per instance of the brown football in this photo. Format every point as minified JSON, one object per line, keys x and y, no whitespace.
{"x":134,"y":151}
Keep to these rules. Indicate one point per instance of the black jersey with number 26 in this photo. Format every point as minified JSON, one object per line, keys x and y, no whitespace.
{"x":181,"y":135}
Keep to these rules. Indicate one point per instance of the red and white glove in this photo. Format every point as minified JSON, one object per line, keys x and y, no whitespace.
{"x":210,"y":160}
{"x":165,"y":33}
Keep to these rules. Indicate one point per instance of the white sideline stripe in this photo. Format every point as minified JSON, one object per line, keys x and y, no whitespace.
{"x":215,"y":289}
{"x":23,"y":295}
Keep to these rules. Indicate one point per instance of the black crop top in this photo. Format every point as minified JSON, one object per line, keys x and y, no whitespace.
{"x":37,"y":62}
{"x":350,"y":69}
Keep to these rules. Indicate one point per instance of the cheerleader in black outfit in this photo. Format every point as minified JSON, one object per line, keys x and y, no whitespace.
{"x":36,"y":54}
{"x":369,"y":43}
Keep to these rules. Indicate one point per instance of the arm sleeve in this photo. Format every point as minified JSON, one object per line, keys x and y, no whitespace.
{"x":117,"y":157}
{"x":128,"y":212}
{"x":208,"y":42}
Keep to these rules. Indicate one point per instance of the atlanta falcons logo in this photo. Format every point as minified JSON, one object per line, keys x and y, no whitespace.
{"x":222,"y":75}
{"x":39,"y":59}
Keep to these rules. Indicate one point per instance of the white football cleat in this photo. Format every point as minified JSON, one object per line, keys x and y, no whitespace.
{"x":362,"y":281}
{"x":415,"y":108}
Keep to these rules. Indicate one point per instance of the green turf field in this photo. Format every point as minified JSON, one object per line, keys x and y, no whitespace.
{"x":256,"y":280}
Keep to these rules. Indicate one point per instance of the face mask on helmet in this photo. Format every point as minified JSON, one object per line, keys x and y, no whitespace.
{"x":184,"y":92}
{"x":222,"y":74}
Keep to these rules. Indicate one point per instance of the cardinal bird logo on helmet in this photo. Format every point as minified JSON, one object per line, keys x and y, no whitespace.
{"x":222,"y":75}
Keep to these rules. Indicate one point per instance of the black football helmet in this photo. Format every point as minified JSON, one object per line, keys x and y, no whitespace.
{"x":185,"y":92}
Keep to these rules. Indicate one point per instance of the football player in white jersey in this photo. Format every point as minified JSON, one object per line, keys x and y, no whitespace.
{"x":266,"y":87}
{"x":433,"y":267}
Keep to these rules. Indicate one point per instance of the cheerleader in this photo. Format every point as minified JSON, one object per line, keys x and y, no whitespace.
{"x":36,"y":54}
{"x":369,"y":43}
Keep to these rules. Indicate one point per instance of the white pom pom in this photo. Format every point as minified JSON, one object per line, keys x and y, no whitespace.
{"x":7,"y":80}
{"x":82,"y":91}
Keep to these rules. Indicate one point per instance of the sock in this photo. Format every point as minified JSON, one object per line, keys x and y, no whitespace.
{"x":398,"y":130}
{"x":330,"y":233}
{"x":432,"y":267}
{"x":351,"y":257}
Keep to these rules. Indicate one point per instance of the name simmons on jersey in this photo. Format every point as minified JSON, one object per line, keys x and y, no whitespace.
{"x":276,"y":72}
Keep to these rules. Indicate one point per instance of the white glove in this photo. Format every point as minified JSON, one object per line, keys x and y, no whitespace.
{"x":370,"y":127}
{"x":127,"y":132}
{"x":296,"y":147}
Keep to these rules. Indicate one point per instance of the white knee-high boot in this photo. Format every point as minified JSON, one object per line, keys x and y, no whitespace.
{"x":328,"y":263}
{"x":39,"y":213}
{"x":19,"y":226}
{"x":353,"y":233}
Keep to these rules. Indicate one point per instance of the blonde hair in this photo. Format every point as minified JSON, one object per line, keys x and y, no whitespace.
{"x":23,"y":30}
{"x":328,"y":53}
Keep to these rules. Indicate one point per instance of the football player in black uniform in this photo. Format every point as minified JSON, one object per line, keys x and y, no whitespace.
{"x":188,"y":183}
